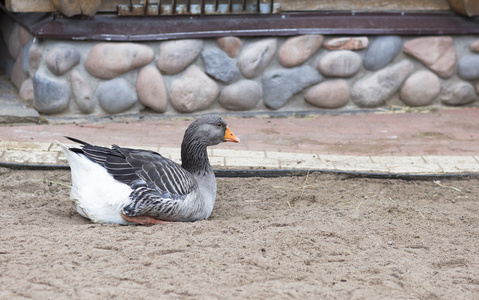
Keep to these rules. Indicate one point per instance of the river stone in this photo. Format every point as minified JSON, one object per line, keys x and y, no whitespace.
{"x":373,"y":90}
{"x":25,"y":58}
{"x":280,"y":85}
{"x":420,"y":89}
{"x":230,"y":44}
{"x":436,"y":53}
{"x":51,"y":95}
{"x":461,"y":93}
{"x":115,"y":96}
{"x":256,"y":56}
{"x":82,"y":93}
{"x":383,"y":50}
{"x":468,"y":67}
{"x":35,"y":54}
{"x":298,"y":49}
{"x":347,"y":43}
{"x":219,"y":65}
{"x":61,"y":59}
{"x":474,"y":46}
{"x":151,"y":89}
{"x":24,"y":37}
{"x":329,"y":94}
{"x":109,"y":60}
{"x":18,"y":76}
{"x":341,"y":63}
{"x":176,"y":55}
{"x":194,"y":91}
{"x":14,"y":46}
{"x":26,"y":91}
{"x":242,"y":95}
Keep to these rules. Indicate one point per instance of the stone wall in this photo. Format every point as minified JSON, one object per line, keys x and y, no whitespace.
{"x":308,"y":72}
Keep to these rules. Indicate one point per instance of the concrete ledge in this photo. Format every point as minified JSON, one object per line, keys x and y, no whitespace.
{"x":50,"y":154}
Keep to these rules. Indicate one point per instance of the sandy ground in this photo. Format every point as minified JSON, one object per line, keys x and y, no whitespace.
{"x":319,"y":236}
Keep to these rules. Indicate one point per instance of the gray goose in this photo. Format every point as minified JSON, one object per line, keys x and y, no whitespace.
{"x":132,"y":186}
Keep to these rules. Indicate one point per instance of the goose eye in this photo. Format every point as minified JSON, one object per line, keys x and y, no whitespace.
{"x":220,"y":125}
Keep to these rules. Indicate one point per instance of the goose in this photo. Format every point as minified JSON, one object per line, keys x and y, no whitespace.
{"x":131,"y":186}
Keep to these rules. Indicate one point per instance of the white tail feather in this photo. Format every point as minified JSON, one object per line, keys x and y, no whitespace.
{"x":95,"y":193}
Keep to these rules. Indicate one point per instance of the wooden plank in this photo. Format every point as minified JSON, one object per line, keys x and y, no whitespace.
{"x":109,"y":27}
{"x":111,"y":5}
{"x":29,"y":6}
{"x":286,"y":5}
{"x":47,"y":5}
{"x":363,"y":5}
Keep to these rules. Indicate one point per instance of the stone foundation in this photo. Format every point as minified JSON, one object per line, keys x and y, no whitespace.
{"x":299,"y":73}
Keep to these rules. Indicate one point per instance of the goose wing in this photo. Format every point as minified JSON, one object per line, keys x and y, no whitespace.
{"x":159,"y":173}
{"x":141,"y":168}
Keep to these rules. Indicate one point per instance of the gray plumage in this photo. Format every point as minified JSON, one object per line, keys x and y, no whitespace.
{"x":160,"y":188}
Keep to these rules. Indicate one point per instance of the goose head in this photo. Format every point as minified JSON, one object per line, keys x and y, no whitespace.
{"x":209,"y":131}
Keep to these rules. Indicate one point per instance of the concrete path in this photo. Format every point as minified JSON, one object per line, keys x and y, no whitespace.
{"x":441,"y":142}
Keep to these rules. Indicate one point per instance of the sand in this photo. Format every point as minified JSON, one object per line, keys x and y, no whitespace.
{"x":314,"y":237}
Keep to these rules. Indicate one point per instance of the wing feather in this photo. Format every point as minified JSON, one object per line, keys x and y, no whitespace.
{"x":159,"y":173}
{"x":141,"y":167}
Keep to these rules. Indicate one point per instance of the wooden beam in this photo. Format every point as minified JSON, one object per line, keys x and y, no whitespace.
{"x":363,"y":5}
{"x":47,"y":5}
{"x":29,"y":6}
{"x":113,"y":28}
{"x":286,"y":5}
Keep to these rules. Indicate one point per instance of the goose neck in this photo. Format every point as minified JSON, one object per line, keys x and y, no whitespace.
{"x":194,"y":157}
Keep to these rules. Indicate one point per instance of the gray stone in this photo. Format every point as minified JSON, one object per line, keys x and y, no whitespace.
{"x":383,"y":50}
{"x":14,"y":46}
{"x":26,"y":91}
{"x":51,"y":95}
{"x":230,"y":44}
{"x":219,"y":65}
{"x":61,"y":59}
{"x":242,"y":95}
{"x":151,"y":89}
{"x":109,"y":60}
{"x":82,"y":93}
{"x":194,"y":91}
{"x":474,"y":46}
{"x":280,"y":85}
{"x":24,"y":37}
{"x":461,"y":93}
{"x":341,"y":63}
{"x":373,"y":90}
{"x":468,"y":67}
{"x":35,"y":54}
{"x":329,"y":94}
{"x":298,"y":49}
{"x":256,"y":56}
{"x":115,"y":96}
{"x":25,"y":58}
{"x":420,"y":89}
{"x":174,"y":56}
{"x":18,"y":76}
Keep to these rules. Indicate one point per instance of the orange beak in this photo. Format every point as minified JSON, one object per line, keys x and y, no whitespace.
{"x":230,"y":137}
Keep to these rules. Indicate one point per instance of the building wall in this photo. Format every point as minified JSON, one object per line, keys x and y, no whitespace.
{"x":261,"y":74}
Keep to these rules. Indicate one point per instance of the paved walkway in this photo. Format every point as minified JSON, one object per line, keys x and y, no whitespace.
{"x":445,"y":141}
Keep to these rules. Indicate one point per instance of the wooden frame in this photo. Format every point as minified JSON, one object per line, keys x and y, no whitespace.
{"x":286,"y":5}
